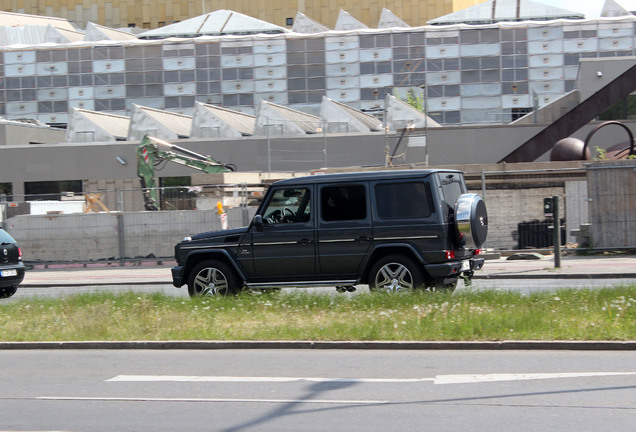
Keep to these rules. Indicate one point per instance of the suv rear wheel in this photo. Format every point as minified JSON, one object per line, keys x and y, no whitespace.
{"x":7,"y":292}
{"x":395,"y":273}
{"x":211,"y":278}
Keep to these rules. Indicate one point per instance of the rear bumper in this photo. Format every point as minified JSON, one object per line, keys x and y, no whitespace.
{"x":10,"y":281}
{"x":453,"y":268}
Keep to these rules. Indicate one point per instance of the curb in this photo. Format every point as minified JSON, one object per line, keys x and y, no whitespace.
{"x":495,"y":276}
{"x":557,"y":276}
{"x":325,"y":345}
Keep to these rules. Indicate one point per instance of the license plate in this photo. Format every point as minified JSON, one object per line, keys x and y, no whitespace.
{"x":8,"y":273}
{"x":465,"y":265}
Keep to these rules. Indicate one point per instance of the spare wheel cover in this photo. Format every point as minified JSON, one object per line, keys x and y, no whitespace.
{"x":471,"y":219}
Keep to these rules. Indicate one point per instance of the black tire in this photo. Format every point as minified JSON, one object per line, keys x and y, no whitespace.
{"x":440,"y":286}
{"x":7,"y":292}
{"x":212,"y":278}
{"x":395,"y":273}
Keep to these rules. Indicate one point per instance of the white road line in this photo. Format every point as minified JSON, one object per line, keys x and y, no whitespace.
{"x":192,"y":378}
{"x":481,"y":378}
{"x":439,"y":379}
{"x":219,"y":400}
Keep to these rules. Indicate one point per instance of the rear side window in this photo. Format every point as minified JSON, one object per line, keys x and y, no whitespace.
{"x":343,"y":203}
{"x":5,"y":237}
{"x":403,"y":200}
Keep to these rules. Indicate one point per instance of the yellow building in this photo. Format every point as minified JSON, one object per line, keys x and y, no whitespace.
{"x":157,"y":13}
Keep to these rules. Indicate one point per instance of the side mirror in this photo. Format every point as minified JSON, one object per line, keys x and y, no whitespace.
{"x":258,"y":223}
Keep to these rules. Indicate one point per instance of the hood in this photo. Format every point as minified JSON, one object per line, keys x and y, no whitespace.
{"x":221,"y":235}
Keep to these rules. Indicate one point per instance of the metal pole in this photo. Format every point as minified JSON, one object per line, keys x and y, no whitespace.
{"x":121,"y":238}
{"x":324,"y":143}
{"x":557,"y":232}
{"x":269,"y":150}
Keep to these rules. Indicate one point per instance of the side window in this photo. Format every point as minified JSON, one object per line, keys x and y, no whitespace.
{"x":403,"y":200}
{"x":290,"y":205}
{"x":343,"y":203}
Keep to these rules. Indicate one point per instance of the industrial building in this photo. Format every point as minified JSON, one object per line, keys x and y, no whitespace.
{"x":151,"y":14}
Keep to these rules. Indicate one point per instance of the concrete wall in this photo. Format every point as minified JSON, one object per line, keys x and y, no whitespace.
{"x":13,"y":133}
{"x":97,"y":164}
{"x":110,"y":236}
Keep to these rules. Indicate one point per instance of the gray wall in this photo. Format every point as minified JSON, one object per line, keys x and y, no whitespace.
{"x":449,"y":145}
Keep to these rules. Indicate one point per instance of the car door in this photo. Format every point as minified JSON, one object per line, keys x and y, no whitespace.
{"x":344,"y":228}
{"x":285,"y":248}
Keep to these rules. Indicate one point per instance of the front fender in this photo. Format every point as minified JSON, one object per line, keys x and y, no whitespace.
{"x":197,"y":256}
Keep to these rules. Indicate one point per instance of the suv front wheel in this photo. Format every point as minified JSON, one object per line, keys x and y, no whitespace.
{"x":211,"y":278}
{"x":395,"y":273}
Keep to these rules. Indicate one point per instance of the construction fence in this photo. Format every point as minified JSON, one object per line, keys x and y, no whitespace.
{"x":597,"y":208}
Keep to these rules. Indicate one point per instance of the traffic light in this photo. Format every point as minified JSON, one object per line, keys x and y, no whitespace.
{"x":548,"y":207}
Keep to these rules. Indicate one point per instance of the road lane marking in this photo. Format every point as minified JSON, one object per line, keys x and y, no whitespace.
{"x":194,"y":378}
{"x":217,"y":400}
{"x":481,"y":378}
{"x":439,"y":379}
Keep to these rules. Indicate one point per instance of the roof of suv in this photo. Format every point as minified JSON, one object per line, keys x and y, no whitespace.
{"x":360,"y":176}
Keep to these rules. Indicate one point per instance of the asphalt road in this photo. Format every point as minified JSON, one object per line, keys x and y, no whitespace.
{"x":317,"y":390}
{"x":522,"y":285}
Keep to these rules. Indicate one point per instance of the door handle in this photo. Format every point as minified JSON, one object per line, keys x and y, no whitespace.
{"x":363,"y":238}
{"x":305,"y":242}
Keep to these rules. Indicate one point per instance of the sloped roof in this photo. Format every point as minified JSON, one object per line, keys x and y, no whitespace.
{"x":220,"y":22}
{"x":96,"y":126}
{"x":304,"y":24}
{"x":161,"y":124}
{"x":347,"y":22}
{"x":226,"y":122}
{"x":389,"y":20}
{"x":492,"y":11}
{"x":612,"y":9}
{"x":11,"y":19}
{"x":96,"y":32}
{"x":399,"y":114}
{"x":287,"y":121}
{"x":339,"y":117}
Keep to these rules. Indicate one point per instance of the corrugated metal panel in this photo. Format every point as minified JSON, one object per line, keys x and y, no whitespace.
{"x":342,"y":69}
{"x":544,"y":47}
{"x":304,"y":24}
{"x":612,"y":192}
{"x":342,"y":56}
{"x":616,"y":44}
{"x":274,"y":72}
{"x":546,"y":60}
{"x":336,"y":113}
{"x":442,"y":51}
{"x":342,"y":82}
{"x":214,"y":121}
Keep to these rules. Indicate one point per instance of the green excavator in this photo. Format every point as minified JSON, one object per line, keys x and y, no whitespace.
{"x":153,"y":151}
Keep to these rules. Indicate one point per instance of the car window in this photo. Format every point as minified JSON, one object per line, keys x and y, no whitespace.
{"x":288,"y":205}
{"x":343,"y":203}
{"x":407,"y":200}
{"x":5,"y":237}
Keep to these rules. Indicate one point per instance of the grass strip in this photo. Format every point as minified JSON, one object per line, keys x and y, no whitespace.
{"x":570,"y":314}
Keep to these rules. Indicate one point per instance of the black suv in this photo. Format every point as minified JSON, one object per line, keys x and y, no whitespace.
{"x":392,"y":230}
{"x":11,"y":265}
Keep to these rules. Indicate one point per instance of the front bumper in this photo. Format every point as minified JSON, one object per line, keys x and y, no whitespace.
{"x":177,"y":278}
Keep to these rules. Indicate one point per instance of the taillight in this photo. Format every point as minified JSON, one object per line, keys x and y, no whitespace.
{"x":477,"y":252}
{"x":450,"y":254}
{"x":19,"y":253}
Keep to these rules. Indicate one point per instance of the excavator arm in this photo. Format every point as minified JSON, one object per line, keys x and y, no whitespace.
{"x":153,"y":151}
